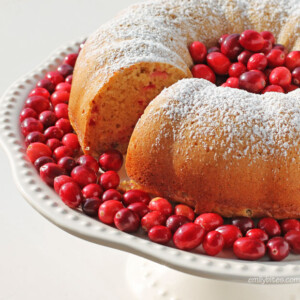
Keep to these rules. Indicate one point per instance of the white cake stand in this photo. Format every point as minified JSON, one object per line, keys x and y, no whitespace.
{"x":148,"y":280}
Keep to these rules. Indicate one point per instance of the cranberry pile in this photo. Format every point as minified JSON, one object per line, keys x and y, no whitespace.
{"x":92,"y":185}
{"x":250,"y":61}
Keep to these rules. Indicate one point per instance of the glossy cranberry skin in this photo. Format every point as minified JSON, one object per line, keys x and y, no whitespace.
{"x":46,"y":84}
{"x":251,"y":40}
{"x":49,"y":171}
{"x":244,"y":57}
{"x":139,"y":208}
{"x":40,"y":92}
{"x":204,"y":72}
{"x":270,"y":226}
{"x":275,"y":58}
{"x":55,"y":77}
{"x":213,"y":243}
{"x":218,"y":62}
{"x":109,"y":180}
{"x":89,"y":162}
{"x":64,"y":125}
{"x":59,"y":181}
{"x":293,"y":238}
{"x":67,"y":163}
{"x":53,"y":132}
{"x":160,"y":234}
{"x":27,"y":113}
{"x":71,"y":140}
{"x":231,"y":82}
{"x":61,"y":152}
{"x":90,"y":206}
{"x":237,"y":69}
{"x":92,"y":190}
{"x":70,"y":194}
{"x":252,"y":81}
{"x":280,"y":47}
{"x":273,"y":88}
{"x":112,"y":194}
{"x":175,"y":221}
{"x":133,"y":196}
{"x":69,"y":79}
{"x":83,"y":176}
{"x":47,"y":118}
{"x":243,"y":223}
{"x":33,"y":137}
{"x":151,"y":219}
{"x":37,"y":150}
{"x":184,"y":210}
{"x":63,"y":86}
{"x":222,"y":38}
{"x":42,"y":161}
{"x":268,"y":36}
{"x":258,"y":234}
{"x":60,"y":96}
{"x":162,"y":205}
{"x":209,"y":221}
{"x":289,"y":224}
{"x":257,"y":61}
{"x":267,"y":47}
{"x":231,"y":46}
{"x":280,"y":76}
{"x":198,"y":52}
{"x":230,"y":233}
{"x":290,"y":88}
{"x":249,"y":249}
{"x":292,"y":60}
{"x":70,"y":59}
{"x":30,"y":125}
{"x":213,"y":49}
{"x":296,"y":76}
{"x":53,"y":144}
{"x":111,"y":160}
{"x":188,"y":236}
{"x":61,"y":110}
{"x":108,"y":210}
{"x":65,"y":70}
{"x":127,"y":220}
{"x":278,"y":248}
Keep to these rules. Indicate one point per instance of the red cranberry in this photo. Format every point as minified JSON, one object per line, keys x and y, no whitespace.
{"x":244,"y":57}
{"x":67,"y":163}
{"x":270,"y":226}
{"x":109,"y":180}
{"x":83,"y":175}
{"x":28,"y":113}
{"x":108,"y":210}
{"x":296,"y":76}
{"x":65,"y":70}
{"x":70,"y":59}
{"x":69,"y":79}
{"x":280,"y":47}
{"x":252,"y":40}
{"x":257,"y":61}
{"x":151,"y":219}
{"x":111,"y":160}
{"x":46,"y":84}
{"x":160,"y":234}
{"x":175,"y":221}
{"x":258,"y":234}
{"x":71,"y":140}
{"x":231,"y":46}
{"x":42,"y":161}
{"x":275,"y":58}
{"x":198,"y":52}
{"x":289,"y":224}
{"x":60,"y":96}
{"x":64,"y":125}
{"x":213,"y":49}
{"x":188,"y":236}
{"x":59,"y":181}
{"x":184,"y":210}
{"x":230,"y":233}
{"x":63,"y":86}
{"x":222,"y":38}
{"x":70,"y":194}
{"x":30,"y":125}
{"x":290,"y":88}
{"x":53,"y":144}
{"x":278,"y":248}
{"x":273,"y":88}
{"x":47,"y":118}
{"x":232,"y":82}
{"x":213,"y":243}
{"x":127,"y":220}
{"x":36,"y":150}
{"x":162,"y":205}
{"x":61,"y":110}
{"x":243,"y":223}
{"x":112,"y":194}
{"x":92,"y":190}
{"x":40,"y":92}
{"x":209,"y":221}
{"x":55,"y":77}
{"x":249,"y":249}
{"x":61,"y":152}
{"x":293,"y":60}
{"x":267,"y":47}
{"x":139,"y":208}
{"x":90,"y":206}
{"x":268,"y":36}
{"x":132,"y":196}
{"x":49,"y":171}
{"x":218,"y":62}
{"x":237,"y":69}
{"x":293,"y":238}
{"x":33,"y":137}
{"x":53,"y":132}
{"x":280,"y":76}
{"x":203,"y":71}
{"x":89,"y":162}
{"x":252,"y":81}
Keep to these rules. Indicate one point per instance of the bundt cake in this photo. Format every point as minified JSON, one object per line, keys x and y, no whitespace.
{"x":129,"y":60}
{"x":220,"y":150}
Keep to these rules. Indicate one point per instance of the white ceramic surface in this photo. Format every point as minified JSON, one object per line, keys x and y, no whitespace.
{"x":45,"y":200}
